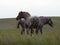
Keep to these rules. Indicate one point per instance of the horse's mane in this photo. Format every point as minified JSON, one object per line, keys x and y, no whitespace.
{"x":22,"y":12}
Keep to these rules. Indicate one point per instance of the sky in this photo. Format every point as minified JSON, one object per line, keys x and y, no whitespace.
{"x":11,"y":8}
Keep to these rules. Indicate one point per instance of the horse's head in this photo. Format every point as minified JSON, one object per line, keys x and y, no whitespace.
{"x":22,"y":15}
{"x":50,"y":22}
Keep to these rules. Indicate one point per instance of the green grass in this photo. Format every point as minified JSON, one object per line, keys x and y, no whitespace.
{"x":10,"y":35}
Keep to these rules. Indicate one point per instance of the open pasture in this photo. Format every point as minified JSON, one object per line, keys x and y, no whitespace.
{"x":10,"y":35}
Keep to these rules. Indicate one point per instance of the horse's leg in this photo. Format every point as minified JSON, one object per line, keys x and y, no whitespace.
{"x":18,"y":25}
{"x":37,"y":30}
{"x":23,"y":30}
{"x":27,"y":31}
{"x":41,"y":30}
{"x":32,"y":31}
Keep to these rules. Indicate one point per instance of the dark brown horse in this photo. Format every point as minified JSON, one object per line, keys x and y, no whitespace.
{"x":22,"y":14}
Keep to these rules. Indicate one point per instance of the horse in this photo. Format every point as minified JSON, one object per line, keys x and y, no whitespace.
{"x":22,"y":14}
{"x":29,"y":23}
{"x":43,"y":21}
{"x":39,"y":22}
{"x":32,"y":22}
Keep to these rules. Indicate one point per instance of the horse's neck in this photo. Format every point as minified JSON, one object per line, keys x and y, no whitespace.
{"x":43,"y":21}
{"x":28,"y":18}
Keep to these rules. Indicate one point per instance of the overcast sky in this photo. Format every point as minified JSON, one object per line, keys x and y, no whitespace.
{"x":10,"y":8}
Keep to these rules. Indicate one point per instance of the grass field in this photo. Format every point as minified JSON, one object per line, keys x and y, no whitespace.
{"x":10,"y":35}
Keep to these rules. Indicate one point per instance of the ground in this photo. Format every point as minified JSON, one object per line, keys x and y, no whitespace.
{"x":10,"y":35}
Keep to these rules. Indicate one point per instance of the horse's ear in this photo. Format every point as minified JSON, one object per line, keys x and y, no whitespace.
{"x":21,"y":12}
